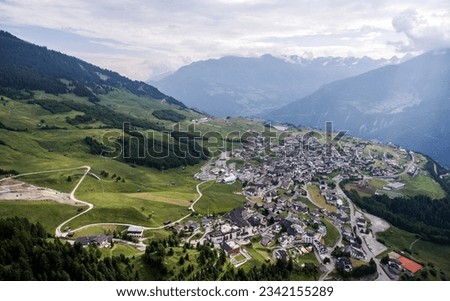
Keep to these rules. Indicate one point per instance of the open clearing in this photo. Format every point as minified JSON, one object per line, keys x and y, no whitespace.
{"x":219,"y":198}
{"x":95,"y":230}
{"x":422,"y":184}
{"x":332,"y":234}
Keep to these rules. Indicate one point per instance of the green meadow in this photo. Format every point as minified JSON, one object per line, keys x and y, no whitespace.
{"x":219,"y":198}
{"x":49,"y":214}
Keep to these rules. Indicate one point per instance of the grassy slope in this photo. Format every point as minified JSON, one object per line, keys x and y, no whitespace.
{"x":219,"y":198}
{"x":332,"y":234}
{"x":68,"y":150}
{"x":58,"y":180}
{"x":422,"y":184}
{"x":118,"y":249}
{"x":107,"y":195}
{"x":319,"y":199}
{"x":49,"y":214}
{"x":307,"y":202}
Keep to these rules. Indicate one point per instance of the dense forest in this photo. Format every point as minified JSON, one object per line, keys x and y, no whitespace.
{"x":419,"y":214}
{"x":95,"y":112}
{"x":26,"y":253}
{"x":148,"y":151}
{"x":161,"y":154}
{"x":25,"y":66}
{"x":95,"y":147}
{"x":170,"y":115}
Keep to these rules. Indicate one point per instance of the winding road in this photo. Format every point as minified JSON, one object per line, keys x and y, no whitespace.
{"x":145,"y":228}
{"x":59,"y":232}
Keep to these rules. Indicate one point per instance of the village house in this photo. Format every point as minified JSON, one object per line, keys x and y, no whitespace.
{"x":192,"y":226}
{"x":344,"y":263}
{"x":230,"y":247}
{"x":135,"y":231}
{"x":101,"y":241}
{"x":280,"y":254}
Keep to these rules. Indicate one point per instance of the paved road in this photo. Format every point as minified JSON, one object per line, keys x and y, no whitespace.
{"x":353,"y":209}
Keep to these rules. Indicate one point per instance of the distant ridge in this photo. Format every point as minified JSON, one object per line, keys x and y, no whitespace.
{"x":248,"y":86}
{"x":408,"y":104}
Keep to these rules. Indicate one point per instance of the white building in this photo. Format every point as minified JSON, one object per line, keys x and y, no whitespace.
{"x":135,"y":231}
{"x":229,"y":179}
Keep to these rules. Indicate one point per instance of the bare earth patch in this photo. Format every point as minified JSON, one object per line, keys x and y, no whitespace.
{"x":14,"y":190}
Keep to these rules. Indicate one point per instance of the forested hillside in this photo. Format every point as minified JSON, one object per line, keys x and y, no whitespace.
{"x":26,"y":253}
{"x":418,"y":214}
{"x":25,"y":66}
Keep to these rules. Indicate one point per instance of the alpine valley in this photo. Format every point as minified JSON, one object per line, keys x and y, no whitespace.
{"x":107,"y":178}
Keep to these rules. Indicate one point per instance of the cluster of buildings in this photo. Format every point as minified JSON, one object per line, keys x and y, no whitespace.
{"x":239,"y":228}
{"x":274,"y":180}
{"x":398,"y":263}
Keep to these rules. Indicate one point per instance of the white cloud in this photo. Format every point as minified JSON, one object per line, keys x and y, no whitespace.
{"x":421,"y":35}
{"x":143,"y":38}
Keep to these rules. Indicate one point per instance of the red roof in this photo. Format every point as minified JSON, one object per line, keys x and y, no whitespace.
{"x":410,"y":265}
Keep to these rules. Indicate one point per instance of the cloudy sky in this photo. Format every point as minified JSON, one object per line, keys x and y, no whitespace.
{"x":142,"y":39}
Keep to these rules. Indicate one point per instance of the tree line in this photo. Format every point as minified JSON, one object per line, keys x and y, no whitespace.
{"x":419,"y":214}
{"x":161,"y":154}
{"x":27,"y":254}
{"x":211,"y":265}
{"x":96,"y":112}
{"x":170,"y":115}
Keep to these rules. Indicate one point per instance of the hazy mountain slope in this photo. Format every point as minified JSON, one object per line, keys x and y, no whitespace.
{"x":239,"y":86}
{"x":408,"y":104}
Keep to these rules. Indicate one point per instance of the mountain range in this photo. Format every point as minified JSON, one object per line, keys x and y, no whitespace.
{"x":408,"y":104}
{"x":248,"y":86}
